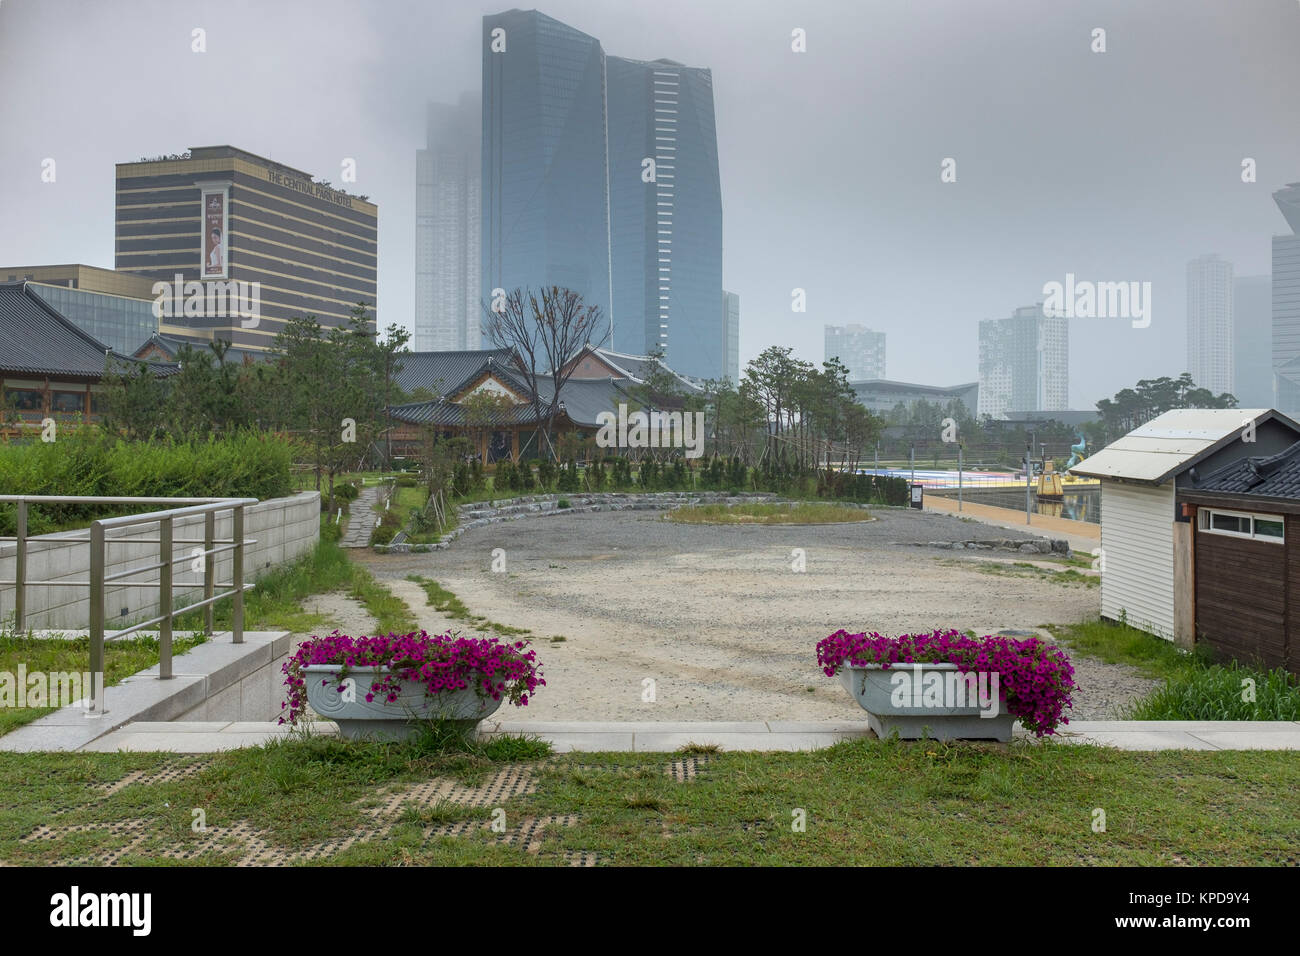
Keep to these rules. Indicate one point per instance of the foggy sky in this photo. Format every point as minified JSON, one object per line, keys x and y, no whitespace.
{"x":1114,"y":166}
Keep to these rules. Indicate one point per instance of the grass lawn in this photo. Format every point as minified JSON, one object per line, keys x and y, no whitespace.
{"x":863,"y":802}
{"x":276,"y":601}
{"x":769,"y":513}
{"x":51,"y":656}
{"x":1066,"y":575}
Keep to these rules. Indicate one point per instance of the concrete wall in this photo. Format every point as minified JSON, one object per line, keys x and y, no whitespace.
{"x":284,"y":529}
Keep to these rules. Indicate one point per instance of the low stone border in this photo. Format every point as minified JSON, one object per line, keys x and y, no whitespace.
{"x":1037,"y":546}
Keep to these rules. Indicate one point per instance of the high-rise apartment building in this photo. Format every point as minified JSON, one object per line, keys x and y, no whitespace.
{"x":600,"y":174}
{"x":1252,"y":341}
{"x":731,"y":336}
{"x":1024,"y":362}
{"x":1209,"y":323}
{"x":448,"y":213}
{"x":545,"y":202}
{"x":261,"y":242}
{"x":861,"y":350}
{"x":665,"y":212}
{"x":1286,"y":304}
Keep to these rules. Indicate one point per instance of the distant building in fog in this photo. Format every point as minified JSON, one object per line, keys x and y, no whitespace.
{"x":1252,"y":341}
{"x":448,"y":179}
{"x":1209,"y":323}
{"x":731,"y":336}
{"x":861,"y":350}
{"x":1024,"y":362}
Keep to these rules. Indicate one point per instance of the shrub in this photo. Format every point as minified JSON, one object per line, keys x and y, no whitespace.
{"x":87,"y":462}
{"x":546,"y":474}
{"x":346,"y":491}
{"x":440,"y":662}
{"x":1035,"y":676}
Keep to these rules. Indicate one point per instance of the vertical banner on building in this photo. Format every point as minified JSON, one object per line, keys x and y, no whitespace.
{"x":215,"y":242}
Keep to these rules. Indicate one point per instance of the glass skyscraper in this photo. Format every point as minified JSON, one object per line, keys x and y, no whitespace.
{"x":1024,"y":363}
{"x":569,"y":196}
{"x":731,"y":336}
{"x":1286,"y":304}
{"x":666,"y":213}
{"x":545,"y":170}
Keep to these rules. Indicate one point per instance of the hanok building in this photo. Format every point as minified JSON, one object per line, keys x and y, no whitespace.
{"x":115,"y":308}
{"x":49,"y":367}
{"x":600,"y":381}
{"x":262,"y":243}
{"x":1245,"y":520}
{"x":1146,"y":556}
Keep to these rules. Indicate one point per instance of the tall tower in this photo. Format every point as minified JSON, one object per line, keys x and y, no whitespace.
{"x":545,"y":200}
{"x":1209,"y":323}
{"x":666,"y":213}
{"x":448,"y":175}
{"x":1286,"y":304}
{"x":1024,"y":363}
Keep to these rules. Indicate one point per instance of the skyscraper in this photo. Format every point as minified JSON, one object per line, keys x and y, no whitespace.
{"x":665,"y":212}
{"x":861,"y":350}
{"x":1286,"y":304}
{"x":448,"y":174}
{"x":1209,"y":323}
{"x":1252,"y":341}
{"x":1024,"y":362}
{"x":545,"y":201}
{"x":731,"y":336}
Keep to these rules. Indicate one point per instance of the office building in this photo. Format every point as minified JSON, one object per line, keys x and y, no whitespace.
{"x":861,"y":350}
{"x":1209,"y":323}
{"x":115,"y":308}
{"x":731,"y":336}
{"x":545,"y":200}
{"x":448,"y":173}
{"x":1252,"y":341}
{"x":1286,"y":304}
{"x":1024,"y":362}
{"x":265,"y":242}
{"x":665,"y":213}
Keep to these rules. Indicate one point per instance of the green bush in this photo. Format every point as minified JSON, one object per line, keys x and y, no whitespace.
{"x":88,"y":462}
{"x":346,"y":491}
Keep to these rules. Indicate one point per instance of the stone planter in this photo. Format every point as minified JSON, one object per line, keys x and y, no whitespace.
{"x":912,"y":718}
{"x":378,"y":719}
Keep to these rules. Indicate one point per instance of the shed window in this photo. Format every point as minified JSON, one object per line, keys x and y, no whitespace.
{"x":1243,"y":525}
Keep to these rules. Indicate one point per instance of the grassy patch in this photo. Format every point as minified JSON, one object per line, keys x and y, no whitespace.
{"x":275,"y":603}
{"x":1026,"y":805}
{"x":1023,"y":569}
{"x":440,"y":599}
{"x":122,"y":658}
{"x":1121,"y":644}
{"x":814,"y":512}
{"x":1195,"y":687}
{"x":1221,"y":692}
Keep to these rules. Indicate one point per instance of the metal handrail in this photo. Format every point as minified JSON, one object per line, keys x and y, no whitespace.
{"x":100,"y":581}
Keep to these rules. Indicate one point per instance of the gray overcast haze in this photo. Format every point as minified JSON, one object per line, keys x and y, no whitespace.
{"x":1120,"y":165}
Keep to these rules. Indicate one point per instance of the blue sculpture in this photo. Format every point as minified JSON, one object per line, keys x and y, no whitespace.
{"x":1078,"y":450}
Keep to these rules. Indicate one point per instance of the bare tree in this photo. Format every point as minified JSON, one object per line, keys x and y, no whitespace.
{"x":547,"y":332}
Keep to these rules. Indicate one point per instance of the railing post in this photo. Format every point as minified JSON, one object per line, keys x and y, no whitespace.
{"x":20,"y":570}
{"x":165,"y":598}
{"x":97,"y":618}
{"x":209,"y":568}
{"x":237,"y":577}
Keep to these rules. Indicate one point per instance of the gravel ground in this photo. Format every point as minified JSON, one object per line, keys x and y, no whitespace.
{"x":717,"y":618}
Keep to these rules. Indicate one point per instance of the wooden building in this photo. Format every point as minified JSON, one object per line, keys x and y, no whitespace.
{"x":1146,"y":540}
{"x":1245,"y":518}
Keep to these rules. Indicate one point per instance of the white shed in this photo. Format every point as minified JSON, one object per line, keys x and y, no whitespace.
{"x":1146,"y":545}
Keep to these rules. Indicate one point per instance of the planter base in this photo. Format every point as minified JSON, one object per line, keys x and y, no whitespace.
{"x":942,"y":728}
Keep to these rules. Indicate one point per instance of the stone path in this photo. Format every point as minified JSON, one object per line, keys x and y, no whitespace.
{"x":774,"y":735}
{"x":361,"y":518}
